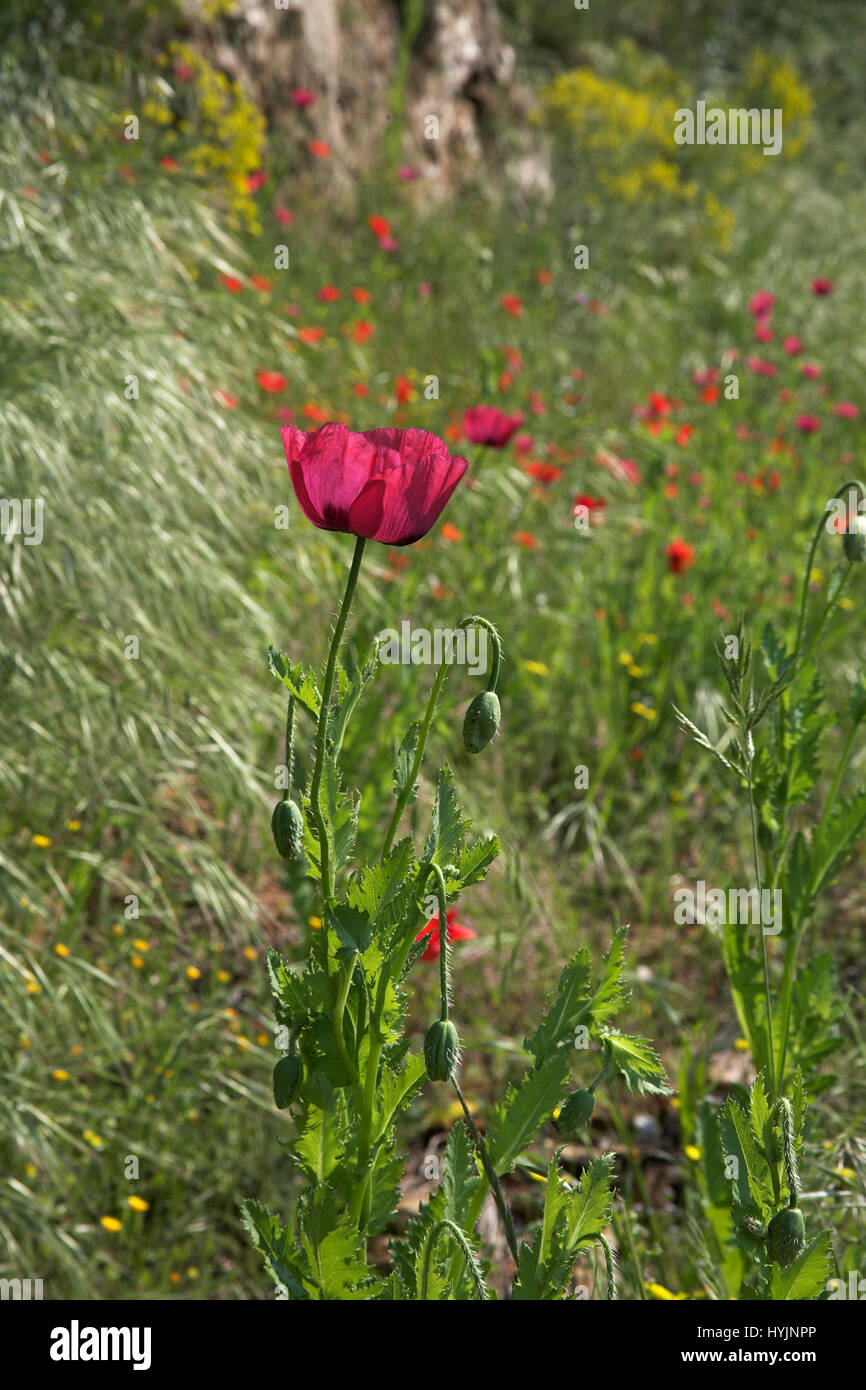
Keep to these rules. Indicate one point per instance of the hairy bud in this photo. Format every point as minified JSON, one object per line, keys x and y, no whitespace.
{"x":482,"y":721}
{"x":441,"y":1049}
{"x":786,"y":1236}
{"x":287,"y":824}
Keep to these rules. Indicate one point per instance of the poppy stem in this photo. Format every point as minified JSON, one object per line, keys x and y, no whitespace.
{"x":326,"y":867}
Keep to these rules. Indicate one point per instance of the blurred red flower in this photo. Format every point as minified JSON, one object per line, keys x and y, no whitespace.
{"x":320,"y":149}
{"x":847,"y":410}
{"x":822,"y":286}
{"x":761,"y":303}
{"x":487,"y":424}
{"x":680,"y":556}
{"x":271,"y":381}
{"x":328,"y":294}
{"x":231,"y":283}
{"x":454,"y":931}
{"x":261,"y":284}
{"x":807,"y":424}
{"x":512,"y":304}
{"x":379,"y":226}
{"x":361,"y":296}
{"x":388,"y":485}
{"x":301,"y":97}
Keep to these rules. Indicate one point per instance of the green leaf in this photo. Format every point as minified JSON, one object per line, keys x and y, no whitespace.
{"x":283,"y":1259}
{"x":405,"y":761}
{"x":335,"y":1250}
{"x":520,"y":1115}
{"x":349,"y":695}
{"x":460,"y":1177}
{"x":449,"y":828}
{"x":588,"y":1207}
{"x":352,"y":927}
{"x":475,"y":859}
{"x":323,"y":1133}
{"x":808,"y":1276}
{"x":637,"y":1062}
{"x":298,"y":680}
{"x":567,"y":1010}
{"x":397,"y":1090}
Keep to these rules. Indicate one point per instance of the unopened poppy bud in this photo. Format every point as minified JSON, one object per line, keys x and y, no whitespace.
{"x":482,"y":721}
{"x":786,"y":1236}
{"x":441,"y":1050}
{"x":576,"y":1111}
{"x":854,"y":539}
{"x":287,"y":823}
{"x":288,"y":1075}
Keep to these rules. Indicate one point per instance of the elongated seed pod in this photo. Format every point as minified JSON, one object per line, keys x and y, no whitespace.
{"x":287,"y":824}
{"x":288,"y":1075}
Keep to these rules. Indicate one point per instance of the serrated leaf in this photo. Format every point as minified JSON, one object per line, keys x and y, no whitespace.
{"x":808,"y":1276}
{"x":282,"y":1257}
{"x":298,"y":680}
{"x":320,"y":1143}
{"x":637,"y":1062}
{"x":567,"y":1010}
{"x":405,"y":762}
{"x":521,"y":1114}
{"x":448,"y":829}
{"x":352,"y":927}
{"x":397,"y":1090}
{"x":334,"y":1248}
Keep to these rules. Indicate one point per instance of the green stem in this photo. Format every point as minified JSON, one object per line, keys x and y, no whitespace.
{"x":459,"y":1236}
{"x":764,"y":961}
{"x":490,"y":1172}
{"x":324,"y":716}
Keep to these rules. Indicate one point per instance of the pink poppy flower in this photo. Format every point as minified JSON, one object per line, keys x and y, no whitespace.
{"x":761,"y":303}
{"x":388,"y":485}
{"x":302,"y":97}
{"x":846,"y":410}
{"x":807,"y":424}
{"x":487,"y":424}
{"x":822,"y":286}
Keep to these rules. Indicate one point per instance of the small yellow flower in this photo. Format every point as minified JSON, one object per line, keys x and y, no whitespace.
{"x":141,"y":945}
{"x":536,"y":668}
{"x":251,"y":953}
{"x":644,"y":711}
{"x":73,"y":825}
{"x":693,"y":1152}
{"x":635,"y":671}
{"x":847,"y":1174}
{"x":92,"y":1138}
{"x":60,"y":1075}
{"x":676,"y":1103}
{"x":741,"y":1044}
{"x":42,"y":841}
{"x":31,"y":1170}
{"x":625,"y":659}
{"x":138,"y":1204}
{"x":192,"y":1272}
{"x":676,"y":796}
{"x":815,"y":576}
{"x":61,"y":949}
{"x":242,"y":1042}
{"x":174,"y":1277}
{"x":24,"y":1044}
{"x":111,"y":1223}
{"x":193,"y":972}
{"x":649,"y":638}
{"x":262,"y":1039}
{"x":846,"y":602}
{"x":33,"y":987}
{"x":316,"y":923}
{"x":660,"y":1292}
{"x":223,"y":976}
{"x":137,"y":962}
{"x":117,"y":930}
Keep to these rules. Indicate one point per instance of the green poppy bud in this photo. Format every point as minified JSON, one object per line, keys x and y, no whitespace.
{"x":854,"y":539}
{"x":441,"y":1050}
{"x":288,"y":1075}
{"x":786,"y":1236}
{"x":576,"y":1111}
{"x":287,"y":823}
{"x":482,"y":721}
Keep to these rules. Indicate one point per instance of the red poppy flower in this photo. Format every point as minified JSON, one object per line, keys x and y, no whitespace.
{"x":684,"y":434}
{"x":388,"y":485}
{"x":283,"y":215}
{"x":526,"y":539}
{"x":822,"y":286}
{"x":847,"y":410}
{"x":544,"y":473}
{"x":271,"y":381}
{"x":301,"y":97}
{"x":583,"y":502}
{"x":225,"y":399}
{"x":231,"y":283}
{"x":450,"y":532}
{"x":360,"y":389}
{"x":320,"y":148}
{"x":361,"y":296}
{"x":680,"y":556}
{"x":168,"y":163}
{"x":363,"y":331}
{"x":328,"y":294}
{"x":487,"y":424}
{"x":403,"y":389}
{"x":761,"y":303}
{"x":453,"y":931}
{"x":255,"y":181}
{"x":793,"y":345}
{"x":807,"y":424}
{"x":811,"y":370}
{"x":260,"y":283}
{"x":760,"y":366}
{"x":512,"y":304}
{"x":311,"y":335}
{"x":379,"y":226}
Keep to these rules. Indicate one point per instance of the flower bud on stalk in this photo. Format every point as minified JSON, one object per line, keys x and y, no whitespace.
{"x":441,"y":1050}
{"x":482,"y":721}
{"x":287,"y":824}
{"x":786,"y":1236}
{"x":854,"y":539}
